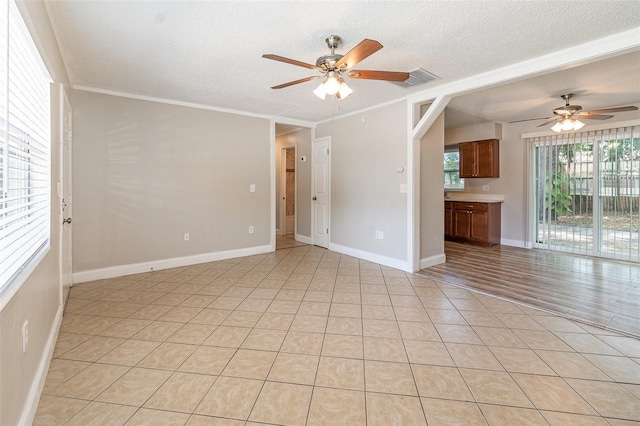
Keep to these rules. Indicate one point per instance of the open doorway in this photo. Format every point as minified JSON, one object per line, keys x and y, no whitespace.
{"x":293,"y":185}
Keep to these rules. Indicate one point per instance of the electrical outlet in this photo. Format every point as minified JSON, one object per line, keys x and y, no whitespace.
{"x":379,"y":235}
{"x":186,"y":236}
{"x":485,"y":187}
{"x":25,"y":335}
{"x":403,"y":188}
{"x":252,"y":187}
{"x":251,"y":229}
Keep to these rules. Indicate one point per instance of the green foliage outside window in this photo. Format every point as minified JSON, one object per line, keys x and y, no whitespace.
{"x":452,"y":178}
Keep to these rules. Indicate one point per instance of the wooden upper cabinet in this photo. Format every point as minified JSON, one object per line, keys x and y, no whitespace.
{"x":480,"y":159}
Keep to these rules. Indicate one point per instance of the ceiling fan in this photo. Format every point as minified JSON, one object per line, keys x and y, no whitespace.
{"x":333,"y":66}
{"x":567,"y":116}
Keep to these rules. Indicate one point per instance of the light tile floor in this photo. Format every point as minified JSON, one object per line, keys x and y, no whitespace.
{"x":308,"y":336}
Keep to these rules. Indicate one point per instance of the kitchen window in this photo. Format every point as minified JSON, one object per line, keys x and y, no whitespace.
{"x":452,"y":180}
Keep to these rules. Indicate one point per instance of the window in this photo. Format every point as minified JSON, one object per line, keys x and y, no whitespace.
{"x":586,"y":192}
{"x":452,"y":178}
{"x":24,"y":150}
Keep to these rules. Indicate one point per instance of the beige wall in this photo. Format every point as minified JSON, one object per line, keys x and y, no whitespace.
{"x":302,"y":139}
{"x":431,"y":190}
{"x":474,"y":132}
{"x":145,"y":173}
{"x":38,"y":299}
{"x":365,"y":183}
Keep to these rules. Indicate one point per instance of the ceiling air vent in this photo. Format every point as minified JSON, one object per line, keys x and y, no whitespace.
{"x":416,"y":77}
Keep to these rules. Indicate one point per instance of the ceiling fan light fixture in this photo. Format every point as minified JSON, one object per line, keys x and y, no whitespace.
{"x":321,"y":91}
{"x":577,"y":124}
{"x":344,"y":90}
{"x":331,"y":84}
{"x":567,"y":124}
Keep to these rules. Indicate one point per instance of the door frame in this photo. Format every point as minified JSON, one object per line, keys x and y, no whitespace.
{"x":282,"y":203}
{"x":313,"y":186}
{"x":64,"y":186}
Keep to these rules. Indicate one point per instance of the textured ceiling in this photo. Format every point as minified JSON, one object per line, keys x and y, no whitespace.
{"x":603,"y":84}
{"x":209,"y":52}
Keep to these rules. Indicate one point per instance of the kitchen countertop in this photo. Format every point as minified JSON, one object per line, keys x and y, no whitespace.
{"x":474,"y":198}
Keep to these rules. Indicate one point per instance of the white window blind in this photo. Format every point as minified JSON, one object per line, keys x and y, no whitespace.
{"x":586,"y":194}
{"x":24,"y":148}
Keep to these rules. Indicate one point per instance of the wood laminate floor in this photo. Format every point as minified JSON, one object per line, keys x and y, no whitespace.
{"x":599,"y":291}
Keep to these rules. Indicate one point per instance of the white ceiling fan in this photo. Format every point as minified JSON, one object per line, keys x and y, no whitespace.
{"x":568,"y":117}
{"x":333,"y":66}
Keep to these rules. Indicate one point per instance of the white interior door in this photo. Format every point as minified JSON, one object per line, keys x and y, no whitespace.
{"x":320,"y":194}
{"x":64,"y":192}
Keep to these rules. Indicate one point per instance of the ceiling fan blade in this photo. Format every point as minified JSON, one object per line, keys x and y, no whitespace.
{"x":590,"y":116}
{"x":291,"y":61}
{"x":364,"y":49}
{"x":609,"y":110}
{"x":547,"y":122}
{"x":379,"y":75}
{"x":530,"y":119}
{"x":291,"y":83}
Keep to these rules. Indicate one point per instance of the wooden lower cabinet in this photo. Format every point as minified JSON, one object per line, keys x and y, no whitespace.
{"x":477,"y":223}
{"x":448,"y":219}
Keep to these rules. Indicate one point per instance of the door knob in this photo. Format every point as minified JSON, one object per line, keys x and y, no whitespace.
{"x":67,"y":220}
{"x":315,"y":198}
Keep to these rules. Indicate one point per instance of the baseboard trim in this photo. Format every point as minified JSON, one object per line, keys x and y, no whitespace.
{"x":303,"y":239}
{"x":513,"y":243}
{"x":371,"y":257}
{"x":430,"y":261}
{"x":156,"y":265}
{"x":29,"y":411}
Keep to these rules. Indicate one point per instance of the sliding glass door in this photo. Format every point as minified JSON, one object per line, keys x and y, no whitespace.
{"x":586,"y":194}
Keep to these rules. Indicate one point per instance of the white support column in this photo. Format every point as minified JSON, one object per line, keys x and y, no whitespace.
{"x":413,"y":174}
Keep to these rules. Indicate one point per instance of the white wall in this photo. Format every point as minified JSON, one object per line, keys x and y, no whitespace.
{"x":38,"y":300}
{"x":365,"y":183}
{"x":145,"y":173}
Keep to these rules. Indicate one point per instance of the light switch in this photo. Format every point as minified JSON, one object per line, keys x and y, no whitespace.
{"x":403,"y":188}
{"x":252,"y":187}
